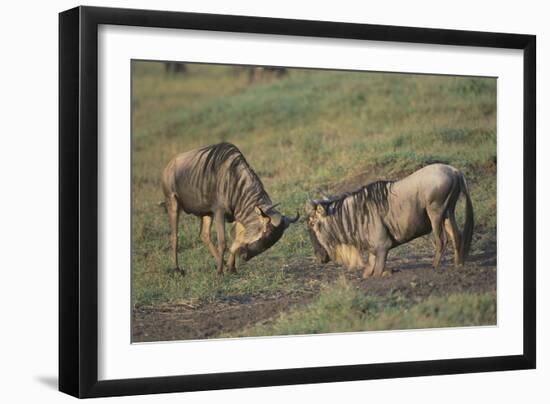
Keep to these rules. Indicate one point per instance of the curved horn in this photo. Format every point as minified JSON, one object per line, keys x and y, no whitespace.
{"x":310,"y":200}
{"x":273,"y":215}
{"x":290,"y":220}
{"x":273,"y":206}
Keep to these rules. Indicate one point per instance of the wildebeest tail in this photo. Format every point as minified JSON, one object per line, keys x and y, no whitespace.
{"x":466,"y":239}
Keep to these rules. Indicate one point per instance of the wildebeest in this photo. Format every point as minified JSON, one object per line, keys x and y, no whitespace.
{"x":175,"y":67}
{"x":386,"y":214}
{"x":216,"y":184}
{"x":256,"y":73}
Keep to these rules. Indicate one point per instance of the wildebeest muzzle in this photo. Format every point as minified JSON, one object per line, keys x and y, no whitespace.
{"x":249,"y":251}
{"x":320,"y":252}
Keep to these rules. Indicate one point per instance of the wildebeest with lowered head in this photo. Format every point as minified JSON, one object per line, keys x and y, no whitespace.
{"x":216,"y":184}
{"x":386,"y":214}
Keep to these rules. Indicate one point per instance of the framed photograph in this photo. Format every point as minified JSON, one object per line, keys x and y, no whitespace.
{"x":251,"y":201}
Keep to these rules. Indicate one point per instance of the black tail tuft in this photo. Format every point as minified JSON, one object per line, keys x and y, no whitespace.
{"x":466,"y":239}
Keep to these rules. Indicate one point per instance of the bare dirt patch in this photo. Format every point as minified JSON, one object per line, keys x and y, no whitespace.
{"x":412,"y":277}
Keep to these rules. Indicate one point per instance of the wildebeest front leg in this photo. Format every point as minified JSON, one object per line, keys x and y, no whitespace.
{"x":219,"y":218}
{"x":206,"y":224}
{"x":380,"y":263}
{"x":231,"y":259}
{"x":369,"y":266}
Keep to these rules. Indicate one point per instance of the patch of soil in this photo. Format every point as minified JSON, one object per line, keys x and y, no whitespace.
{"x":182,"y":322}
{"x":416,"y":279}
{"x":413,"y":277}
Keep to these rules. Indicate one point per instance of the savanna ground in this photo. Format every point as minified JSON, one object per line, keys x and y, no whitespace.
{"x":304,"y":132}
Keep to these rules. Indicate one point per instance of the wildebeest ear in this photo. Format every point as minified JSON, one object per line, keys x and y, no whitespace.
{"x":321,"y":210}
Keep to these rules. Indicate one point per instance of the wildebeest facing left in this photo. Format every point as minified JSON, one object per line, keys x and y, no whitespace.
{"x":216,"y":184}
{"x":386,"y":214}
{"x":175,"y":67}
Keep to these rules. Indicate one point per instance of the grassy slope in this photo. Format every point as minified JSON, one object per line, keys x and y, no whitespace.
{"x":342,"y":308}
{"x":306,"y":131}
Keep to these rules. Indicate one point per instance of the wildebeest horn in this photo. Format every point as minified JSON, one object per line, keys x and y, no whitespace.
{"x":273,"y":206}
{"x":290,"y":220}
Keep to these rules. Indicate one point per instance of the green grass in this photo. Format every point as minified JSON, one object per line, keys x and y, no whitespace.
{"x":342,"y":308}
{"x":305,"y":131}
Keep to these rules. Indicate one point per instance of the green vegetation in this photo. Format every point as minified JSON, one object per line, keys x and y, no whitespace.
{"x":342,"y":308}
{"x":306,"y":131}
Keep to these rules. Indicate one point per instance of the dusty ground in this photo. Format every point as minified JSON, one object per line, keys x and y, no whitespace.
{"x":413,"y":277}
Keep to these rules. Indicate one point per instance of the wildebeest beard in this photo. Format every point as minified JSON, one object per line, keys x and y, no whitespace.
{"x":273,"y":235}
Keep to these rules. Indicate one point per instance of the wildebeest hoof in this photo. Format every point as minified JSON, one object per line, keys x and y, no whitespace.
{"x":177,"y":271}
{"x":382,"y":274}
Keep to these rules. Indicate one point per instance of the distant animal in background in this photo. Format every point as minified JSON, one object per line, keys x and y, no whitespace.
{"x":175,"y":67}
{"x":257,"y":73}
{"x":386,"y":214}
{"x":216,"y":184}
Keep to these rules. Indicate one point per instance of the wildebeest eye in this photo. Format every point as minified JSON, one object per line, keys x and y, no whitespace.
{"x":320,"y":210}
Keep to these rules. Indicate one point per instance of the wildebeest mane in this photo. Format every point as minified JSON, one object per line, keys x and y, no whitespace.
{"x":374,"y":194}
{"x":377,"y":194}
{"x":350,"y":211}
{"x":240,"y":184}
{"x":219,"y":154}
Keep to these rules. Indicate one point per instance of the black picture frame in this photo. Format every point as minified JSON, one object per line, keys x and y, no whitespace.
{"x":78,"y":201}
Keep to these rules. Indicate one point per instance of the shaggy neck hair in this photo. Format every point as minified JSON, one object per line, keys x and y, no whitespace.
{"x":347,"y":216}
{"x":237,"y":183}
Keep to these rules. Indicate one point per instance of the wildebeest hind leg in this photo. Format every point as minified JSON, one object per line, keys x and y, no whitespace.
{"x":452,"y":231}
{"x":439,"y":238}
{"x":220,"y":233}
{"x":173,"y":216}
{"x":206,"y":225}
